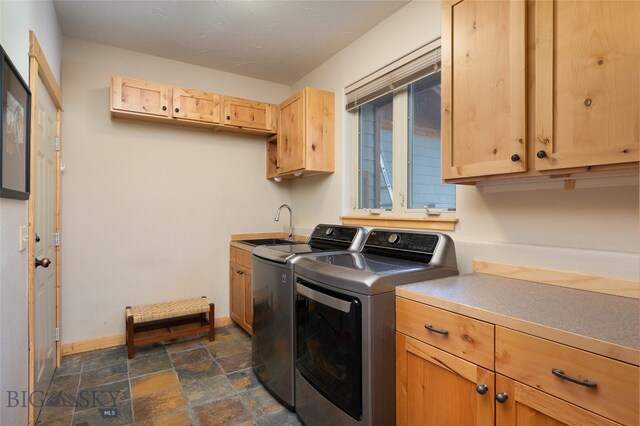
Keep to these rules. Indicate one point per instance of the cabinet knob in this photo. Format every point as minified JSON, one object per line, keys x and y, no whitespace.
{"x":177,"y":109}
{"x":482,"y":389}
{"x":587,"y":102}
{"x":502,"y":397}
{"x":541,"y":154}
{"x":228,"y":117}
{"x":515,"y":158}
{"x":164,"y":108}
{"x":239,"y":272}
{"x":44,"y":262}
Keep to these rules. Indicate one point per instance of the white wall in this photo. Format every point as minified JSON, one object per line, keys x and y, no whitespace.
{"x":16,"y":19}
{"x":148,"y":209}
{"x":591,"y":229}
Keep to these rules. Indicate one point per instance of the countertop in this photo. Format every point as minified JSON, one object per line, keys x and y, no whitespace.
{"x":600,"y":323}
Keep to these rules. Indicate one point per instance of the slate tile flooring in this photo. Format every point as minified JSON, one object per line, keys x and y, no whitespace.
{"x":179,"y":383}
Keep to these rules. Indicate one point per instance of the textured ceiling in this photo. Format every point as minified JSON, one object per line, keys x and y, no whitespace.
{"x":279,"y":41}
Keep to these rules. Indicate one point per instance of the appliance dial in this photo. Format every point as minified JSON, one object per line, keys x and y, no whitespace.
{"x":393,"y":239}
{"x":329,"y":232}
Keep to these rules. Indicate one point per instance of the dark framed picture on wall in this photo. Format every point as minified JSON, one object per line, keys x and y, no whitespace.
{"x":15,"y":131}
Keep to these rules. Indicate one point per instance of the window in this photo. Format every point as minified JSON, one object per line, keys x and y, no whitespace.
{"x":397,"y":139}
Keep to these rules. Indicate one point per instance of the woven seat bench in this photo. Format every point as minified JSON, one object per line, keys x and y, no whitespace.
{"x":163,"y":321}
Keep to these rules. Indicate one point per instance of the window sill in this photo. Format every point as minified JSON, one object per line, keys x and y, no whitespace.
{"x":433,"y":223}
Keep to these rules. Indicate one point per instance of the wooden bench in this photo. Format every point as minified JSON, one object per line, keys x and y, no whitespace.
{"x":162,"y":321}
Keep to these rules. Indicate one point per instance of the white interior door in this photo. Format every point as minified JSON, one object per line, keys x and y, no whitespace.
{"x":44,"y":226}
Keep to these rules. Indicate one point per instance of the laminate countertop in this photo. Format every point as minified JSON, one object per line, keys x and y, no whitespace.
{"x":600,"y":323}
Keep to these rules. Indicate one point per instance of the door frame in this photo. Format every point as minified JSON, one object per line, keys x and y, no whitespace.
{"x":38,"y":66}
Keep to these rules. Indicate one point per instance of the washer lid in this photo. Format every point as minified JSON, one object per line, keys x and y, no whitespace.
{"x":283,"y":252}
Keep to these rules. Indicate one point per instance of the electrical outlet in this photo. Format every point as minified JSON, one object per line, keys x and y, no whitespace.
{"x":24,"y":237}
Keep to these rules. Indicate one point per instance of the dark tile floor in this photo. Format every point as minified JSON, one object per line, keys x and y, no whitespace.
{"x":186,"y":382}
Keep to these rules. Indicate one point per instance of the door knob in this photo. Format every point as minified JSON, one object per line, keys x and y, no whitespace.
{"x":44,"y":262}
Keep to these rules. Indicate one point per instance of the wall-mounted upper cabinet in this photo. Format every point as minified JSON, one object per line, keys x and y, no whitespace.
{"x":147,"y":101}
{"x":305,"y":141}
{"x":248,"y":114}
{"x":533,"y":88}
{"x":587,"y":67}
{"x":138,"y":96}
{"x":190,"y":104}
{"x":483,"y":88}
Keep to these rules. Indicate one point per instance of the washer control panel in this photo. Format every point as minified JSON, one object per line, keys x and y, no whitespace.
{"x":403,"y":240}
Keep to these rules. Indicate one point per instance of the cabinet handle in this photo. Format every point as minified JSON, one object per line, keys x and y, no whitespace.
{"x":436,"y":330}
{"x":164,"y":108}
{"x":515,"y":158}
{"x":177,"y":109}
{"x":482,"y":389}
{"x":541,"y":154}
{"x":502,"y":397}
{"x":239,"y":272}
{"x":559,"y":373}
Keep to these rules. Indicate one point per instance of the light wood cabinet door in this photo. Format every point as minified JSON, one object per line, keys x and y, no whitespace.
{"x":195,"y":105}
{"x":138,"y":96}
{"x":248,"y":302}
{"x":240,"y":306}
{"x":240,"y":297}
{"x":526,"y":406}
{"x":247,"y":114}
{"x":291,"y":142}
{"x":483,"y":88}
{"x":587,"y":58}
{"x":602,"y":385}
{"x":236,"y":289}
{"x":305,"y":144}
{"x":435,"y":388}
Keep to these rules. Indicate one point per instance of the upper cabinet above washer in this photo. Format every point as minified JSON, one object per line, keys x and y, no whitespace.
{"x":483,"y":88}
{"x":533,"y":88}
{"x":587,"y":67}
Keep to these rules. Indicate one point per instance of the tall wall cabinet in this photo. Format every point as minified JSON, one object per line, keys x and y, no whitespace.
{"x":533,"y":88}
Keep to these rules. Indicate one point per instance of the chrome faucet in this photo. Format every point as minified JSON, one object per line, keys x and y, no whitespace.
{"x":277,"y":219}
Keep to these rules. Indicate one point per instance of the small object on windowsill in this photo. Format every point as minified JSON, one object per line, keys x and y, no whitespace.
{"x":431,"y":213}
{"x":372,"y":212}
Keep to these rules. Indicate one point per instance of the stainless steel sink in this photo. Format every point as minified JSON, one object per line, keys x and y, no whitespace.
{"x":269,"y":242}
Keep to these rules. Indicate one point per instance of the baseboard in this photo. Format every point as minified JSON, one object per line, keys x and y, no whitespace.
{"x":111,"y":341}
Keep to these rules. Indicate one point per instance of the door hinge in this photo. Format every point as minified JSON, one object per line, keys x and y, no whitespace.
{"x":57,"y":332}
{"x":57,"y":241}
{"x":57,"y":144}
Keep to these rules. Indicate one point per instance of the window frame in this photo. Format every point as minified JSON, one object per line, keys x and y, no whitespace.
{"x":400,"y":178}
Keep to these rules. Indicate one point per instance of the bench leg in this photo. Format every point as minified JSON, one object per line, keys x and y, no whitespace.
{"x":130,"y":339}
{"x":212,"y":329}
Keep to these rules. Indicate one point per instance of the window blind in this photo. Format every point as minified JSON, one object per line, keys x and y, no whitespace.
{"x":412,"y":67}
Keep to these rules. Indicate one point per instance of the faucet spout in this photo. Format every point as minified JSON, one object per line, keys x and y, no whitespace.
{"x":277,"y":218}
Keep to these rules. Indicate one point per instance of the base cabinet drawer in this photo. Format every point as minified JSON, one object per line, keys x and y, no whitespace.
{"x":462,"y":336}
{"x":596,"y":383}
{"x":523,"y":405}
